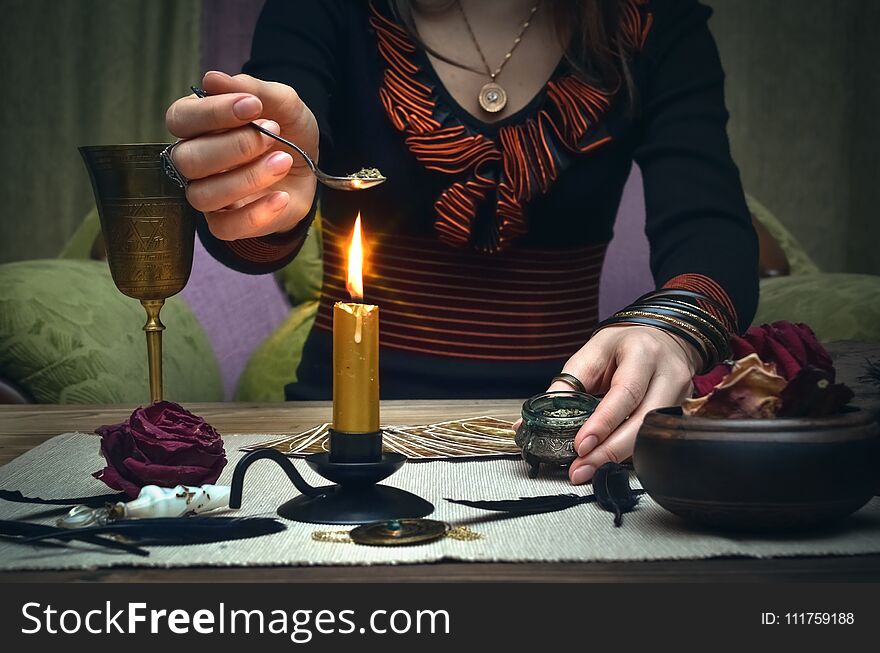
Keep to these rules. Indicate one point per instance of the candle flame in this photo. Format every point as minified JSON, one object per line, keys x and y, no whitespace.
{"x":355,"y":281}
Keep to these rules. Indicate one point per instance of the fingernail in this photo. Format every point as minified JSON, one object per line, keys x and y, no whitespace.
{"x":587,"y":445}
{"x":247,"y":108}
{"x":279,"y":163}
{"x":269,"y":125}
{"x":278,"y":200}
{"x":217,"y":72}
{"x":583,"y":474}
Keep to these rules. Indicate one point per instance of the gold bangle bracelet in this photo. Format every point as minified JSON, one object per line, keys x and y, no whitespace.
{"x":715,"y":330}
{"x":710,"y":351}
{"x":698,"y":311}
{"x":721,"y":335}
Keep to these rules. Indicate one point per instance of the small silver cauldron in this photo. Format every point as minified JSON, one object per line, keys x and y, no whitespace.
{"x":549,"y":423}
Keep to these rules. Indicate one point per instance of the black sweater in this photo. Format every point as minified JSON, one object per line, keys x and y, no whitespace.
{"x":553,"y":213}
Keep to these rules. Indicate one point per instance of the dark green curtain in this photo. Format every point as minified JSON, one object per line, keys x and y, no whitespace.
{"x":803,"y":89}
{"x":79,"y":72}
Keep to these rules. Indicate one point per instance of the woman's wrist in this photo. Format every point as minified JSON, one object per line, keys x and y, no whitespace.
{"x":686,"y":316}
{"x":691,"y":354}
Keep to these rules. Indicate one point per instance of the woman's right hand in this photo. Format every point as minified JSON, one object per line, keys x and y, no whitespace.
{"x":245,"y":183}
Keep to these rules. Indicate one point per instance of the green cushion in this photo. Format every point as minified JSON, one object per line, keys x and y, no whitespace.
{"x":273,"y":364}
{"x":302,"y":277}
{"x":67,"y":335}
{"x":799,"y":262}
{"x":80,"y":244}
{"x":836,"y":306}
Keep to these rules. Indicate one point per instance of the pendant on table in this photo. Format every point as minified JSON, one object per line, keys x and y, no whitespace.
{"x":399,"y":532}
{"x":492,"y":97}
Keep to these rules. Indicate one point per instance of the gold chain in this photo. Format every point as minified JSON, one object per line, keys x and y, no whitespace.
{"x":337,"y":537}
{"x":460,"y":533}
{"x":516,"y":41}
{"x":463,"y":534}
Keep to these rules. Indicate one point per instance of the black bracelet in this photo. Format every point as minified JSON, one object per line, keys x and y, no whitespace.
{"x":695,"y":307}
{"x":681,"y":292}
{"x":710,"y":353}
{"x":687,"y":336}
{"x":705,"y":322}
{"x":687,"y":314}
{"x":689,"y":294}
{"x":716,"y":328}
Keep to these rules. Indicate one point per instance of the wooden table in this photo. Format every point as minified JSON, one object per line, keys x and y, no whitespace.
{"x":24,"y":427}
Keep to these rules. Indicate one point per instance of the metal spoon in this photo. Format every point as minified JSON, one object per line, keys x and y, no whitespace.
{"x":350,"y":182}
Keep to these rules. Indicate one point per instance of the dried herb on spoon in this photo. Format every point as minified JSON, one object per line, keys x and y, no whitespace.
{"x":367,"y":173}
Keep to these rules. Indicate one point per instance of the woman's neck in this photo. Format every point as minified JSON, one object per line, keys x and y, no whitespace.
{"x":495,"y":25}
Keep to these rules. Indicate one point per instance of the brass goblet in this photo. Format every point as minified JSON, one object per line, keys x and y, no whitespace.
{"x":149,"y":229}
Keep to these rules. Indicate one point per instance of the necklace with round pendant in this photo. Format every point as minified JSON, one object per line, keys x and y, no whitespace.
{"x":493,"y":97}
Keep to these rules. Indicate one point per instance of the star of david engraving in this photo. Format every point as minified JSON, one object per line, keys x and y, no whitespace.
{"x":145,"y":235}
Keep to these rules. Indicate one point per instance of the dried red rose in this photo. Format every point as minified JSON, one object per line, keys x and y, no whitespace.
{"x":163,"y":444}
{"x":754,"y":389}
{"x":751,"y":390}
{"x":812,"y":393}
{"x":787,"y":345}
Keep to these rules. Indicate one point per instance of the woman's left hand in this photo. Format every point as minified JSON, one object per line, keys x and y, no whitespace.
{"x":638,"y":369}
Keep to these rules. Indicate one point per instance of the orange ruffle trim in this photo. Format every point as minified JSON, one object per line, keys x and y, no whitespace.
{"x":520,"y":163}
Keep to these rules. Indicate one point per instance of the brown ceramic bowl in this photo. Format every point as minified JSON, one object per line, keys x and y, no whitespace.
{"x":757,"y":474}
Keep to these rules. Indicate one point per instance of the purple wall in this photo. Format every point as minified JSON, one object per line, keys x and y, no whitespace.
{"x":237,"y":311}
{"x":227,"y":28}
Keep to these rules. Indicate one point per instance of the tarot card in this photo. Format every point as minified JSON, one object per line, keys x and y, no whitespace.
{"x":314,"y":440}
{"x":473,"y":437}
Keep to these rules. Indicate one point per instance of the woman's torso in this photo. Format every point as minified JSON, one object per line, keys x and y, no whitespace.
{"x":497,"y":311}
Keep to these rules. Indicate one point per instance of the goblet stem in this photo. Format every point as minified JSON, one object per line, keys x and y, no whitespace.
{"x":154,"y":329}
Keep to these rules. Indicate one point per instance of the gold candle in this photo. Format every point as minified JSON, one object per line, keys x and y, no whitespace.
{"x":355,"y":351}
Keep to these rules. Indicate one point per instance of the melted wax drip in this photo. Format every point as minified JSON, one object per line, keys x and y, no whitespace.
{"x":359,"y":327}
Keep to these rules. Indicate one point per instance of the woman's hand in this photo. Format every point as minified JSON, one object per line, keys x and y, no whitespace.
{"x":244,"y":182}
{"x":638,"y":369}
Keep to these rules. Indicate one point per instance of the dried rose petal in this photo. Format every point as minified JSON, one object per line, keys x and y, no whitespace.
{"x":813,"y":393}
{"x":790,"y":346}
{"x":163,"y":444}
{"x":751,"y":390}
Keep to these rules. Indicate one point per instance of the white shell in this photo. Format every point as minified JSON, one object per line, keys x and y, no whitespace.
{"x":154,"y":501}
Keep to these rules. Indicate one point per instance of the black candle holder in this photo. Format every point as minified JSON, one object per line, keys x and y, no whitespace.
{"x":355,"y":465}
